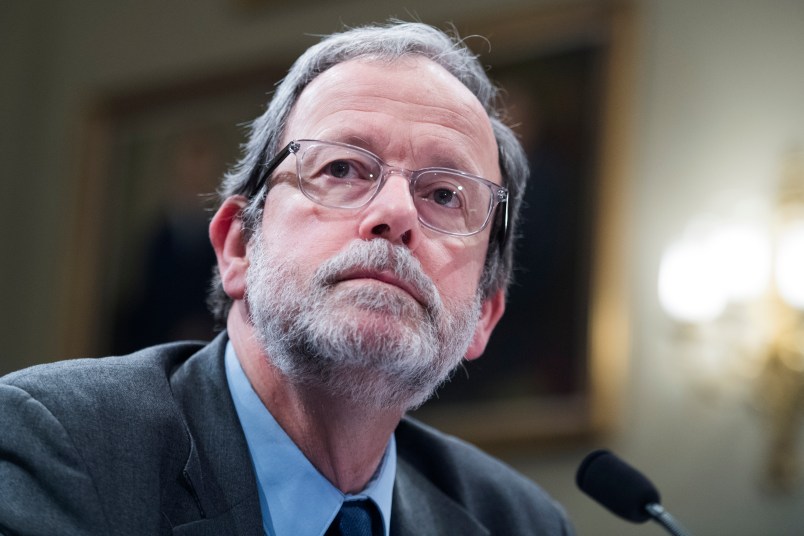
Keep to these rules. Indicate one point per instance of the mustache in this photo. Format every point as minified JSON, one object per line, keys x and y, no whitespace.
{"x":381,"y":256}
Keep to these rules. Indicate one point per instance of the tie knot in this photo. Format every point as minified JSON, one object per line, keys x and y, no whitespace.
{"x":356,"y":518}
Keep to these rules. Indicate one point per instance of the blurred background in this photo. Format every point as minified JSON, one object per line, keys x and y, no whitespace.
{"x":657,"y":310}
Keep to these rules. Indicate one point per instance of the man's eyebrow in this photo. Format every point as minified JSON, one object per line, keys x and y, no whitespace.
{"x":436,"y":158}
{"x":360,"y":141}
{"x":442,"y":160}
{"x":350,"y":138}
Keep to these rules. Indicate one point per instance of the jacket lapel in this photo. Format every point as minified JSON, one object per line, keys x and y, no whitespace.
{"x":218,"y":469}
{"x":421,"y":508}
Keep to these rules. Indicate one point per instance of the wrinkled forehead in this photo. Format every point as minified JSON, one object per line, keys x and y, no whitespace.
{"x":408,"y":101}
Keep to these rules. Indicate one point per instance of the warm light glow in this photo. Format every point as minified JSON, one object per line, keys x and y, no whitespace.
{"x":736,"y":283}
{"x":720,"y":264}
{"x":790,"y":265}
{"x":743,"y":255}
{"x":689,"y":285}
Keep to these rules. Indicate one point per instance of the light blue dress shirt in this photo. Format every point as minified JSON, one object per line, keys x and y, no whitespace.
{"x":296,"y":500}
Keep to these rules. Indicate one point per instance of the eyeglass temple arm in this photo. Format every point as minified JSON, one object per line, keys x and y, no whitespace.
{"x":503,"y":230}
{"x":261,"y":172}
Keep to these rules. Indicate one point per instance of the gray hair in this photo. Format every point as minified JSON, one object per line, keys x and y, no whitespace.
{"x":381,"y":43}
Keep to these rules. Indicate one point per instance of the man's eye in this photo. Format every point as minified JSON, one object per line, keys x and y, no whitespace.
{"x":352,"y":170}
{"x":339,"y":169}
{"x":446,"y":197}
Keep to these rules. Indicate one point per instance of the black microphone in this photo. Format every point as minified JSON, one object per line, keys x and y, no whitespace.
{"x":623,"y":490}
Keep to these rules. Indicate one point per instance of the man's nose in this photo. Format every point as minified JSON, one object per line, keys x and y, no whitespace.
{"x":392,"y":214}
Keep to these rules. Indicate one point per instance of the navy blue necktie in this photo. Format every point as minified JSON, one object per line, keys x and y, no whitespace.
{"x":356,"y":518}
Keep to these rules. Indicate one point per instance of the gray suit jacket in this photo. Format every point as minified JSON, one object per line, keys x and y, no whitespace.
{"x":150,"y":443}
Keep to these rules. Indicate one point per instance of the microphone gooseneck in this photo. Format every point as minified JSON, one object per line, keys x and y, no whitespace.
{"x":623,"y":490}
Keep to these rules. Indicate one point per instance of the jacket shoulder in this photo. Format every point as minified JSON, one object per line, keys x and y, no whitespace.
{"x":101,"y":432}
{"x":97,"y":373}
{"x":109,"y":403}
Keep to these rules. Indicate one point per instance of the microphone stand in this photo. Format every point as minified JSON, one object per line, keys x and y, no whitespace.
{"x":663,"y":517}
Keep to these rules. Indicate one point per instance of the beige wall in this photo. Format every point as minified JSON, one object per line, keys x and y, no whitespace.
{"x":718,"y":97}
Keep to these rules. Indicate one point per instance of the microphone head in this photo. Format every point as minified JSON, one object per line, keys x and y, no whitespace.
{"x":616,"y":485}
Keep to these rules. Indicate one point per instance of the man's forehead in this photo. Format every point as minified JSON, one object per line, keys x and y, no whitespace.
{"x":429,"y":80}
{"x":411,"y":88}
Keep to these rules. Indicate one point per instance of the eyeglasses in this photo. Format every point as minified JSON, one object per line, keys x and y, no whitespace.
{"x":339,"y":175}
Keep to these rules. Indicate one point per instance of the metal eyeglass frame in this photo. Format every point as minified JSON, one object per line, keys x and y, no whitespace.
{"x":261,"y":172}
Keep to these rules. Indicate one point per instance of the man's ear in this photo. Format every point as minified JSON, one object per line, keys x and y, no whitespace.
{"x":229,"y":243}
{"x":491,"y":311}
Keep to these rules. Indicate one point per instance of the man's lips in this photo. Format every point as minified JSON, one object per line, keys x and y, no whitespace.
{"x":384,"y":277}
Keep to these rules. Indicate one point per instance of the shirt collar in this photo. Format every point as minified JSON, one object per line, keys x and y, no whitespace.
{"x":294,"y":497}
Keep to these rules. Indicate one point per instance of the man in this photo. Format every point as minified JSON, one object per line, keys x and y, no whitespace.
{"x":362,"y":253}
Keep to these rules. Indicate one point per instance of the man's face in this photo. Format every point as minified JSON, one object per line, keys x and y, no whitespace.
{"x":311,"y":265}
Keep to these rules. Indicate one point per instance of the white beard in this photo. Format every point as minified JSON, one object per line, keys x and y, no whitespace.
{"x":369,"y":343}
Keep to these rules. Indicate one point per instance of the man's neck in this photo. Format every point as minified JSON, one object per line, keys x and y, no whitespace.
{"x":343,"y":439}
